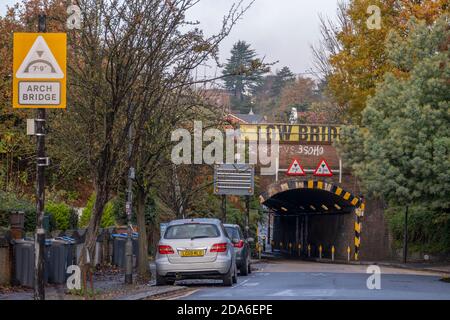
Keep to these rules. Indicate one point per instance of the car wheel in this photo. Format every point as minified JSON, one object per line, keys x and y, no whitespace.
{"x":249,"y":268}
{"x":243,"y":271}
{"x":235,"y":275}
{"x":228,"y":278}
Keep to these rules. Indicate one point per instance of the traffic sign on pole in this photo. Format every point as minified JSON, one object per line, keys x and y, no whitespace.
{"x":295,"y":169}
{"x":234,"y":179}
{"x":39,"y":70}
{"x":323,"y":169}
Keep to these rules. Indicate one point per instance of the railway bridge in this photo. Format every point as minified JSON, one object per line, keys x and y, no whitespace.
{"x":317,"y":210}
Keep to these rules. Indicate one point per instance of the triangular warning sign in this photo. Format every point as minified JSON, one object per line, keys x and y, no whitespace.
{"x":323,"y":169}
{"x":295,"y":169}
{"x":40,"y":63}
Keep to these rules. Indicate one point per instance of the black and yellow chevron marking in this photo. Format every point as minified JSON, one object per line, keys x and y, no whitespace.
{"x":358,"y":213}
{"x":309,"y":184}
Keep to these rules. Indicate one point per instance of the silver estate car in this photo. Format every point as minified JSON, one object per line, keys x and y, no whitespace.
{"x":195,"y":249}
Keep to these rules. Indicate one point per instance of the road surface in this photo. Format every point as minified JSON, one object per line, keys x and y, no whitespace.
{"x":301,"y":280}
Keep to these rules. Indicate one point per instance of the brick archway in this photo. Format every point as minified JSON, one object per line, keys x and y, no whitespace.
{"x":283,"y":186}
{"x":324,"y":190}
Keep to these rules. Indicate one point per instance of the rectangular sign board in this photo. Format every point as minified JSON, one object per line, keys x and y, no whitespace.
{"x":39,"y":70}
{"x":234,"y":179}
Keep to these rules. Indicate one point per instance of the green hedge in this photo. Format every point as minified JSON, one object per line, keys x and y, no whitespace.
{"x":108,"y":219}
{"x":428,"y":231}
{"x":62,"y":216}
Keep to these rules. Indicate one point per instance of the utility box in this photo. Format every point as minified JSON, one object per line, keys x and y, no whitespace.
{"x":46,"y":223}
{"x":31,"y":127}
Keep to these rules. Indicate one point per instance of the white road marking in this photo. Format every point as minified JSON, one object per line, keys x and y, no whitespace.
{"x":305,"y":293}
{"x":251,"y":284}
{"x":240,"y":284}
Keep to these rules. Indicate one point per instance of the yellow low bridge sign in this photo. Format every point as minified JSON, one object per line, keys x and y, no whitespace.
{"x":39,"y":70}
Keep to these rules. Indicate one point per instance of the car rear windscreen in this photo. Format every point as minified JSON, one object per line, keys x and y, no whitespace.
{"x":233,"y":233}
{"x":192,"y":230}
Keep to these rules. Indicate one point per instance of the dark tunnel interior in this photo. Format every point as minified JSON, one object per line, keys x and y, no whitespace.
{"x":305,"y":220}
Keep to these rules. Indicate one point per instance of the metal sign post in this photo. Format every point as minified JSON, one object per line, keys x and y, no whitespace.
{"x":235,"y":179}
{"x":39,"y":82}
{"x":39,"y":288}
{"x":247,"y":220}
{"x":224,"y":208}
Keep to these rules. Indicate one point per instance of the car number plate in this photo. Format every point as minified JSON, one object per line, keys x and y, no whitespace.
{"x":192,"y":253}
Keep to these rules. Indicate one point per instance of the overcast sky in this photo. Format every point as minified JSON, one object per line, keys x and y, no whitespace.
{"x":279,"y":30}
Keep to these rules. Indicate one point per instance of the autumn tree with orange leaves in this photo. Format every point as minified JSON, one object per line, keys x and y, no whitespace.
{"x":355,"y":55}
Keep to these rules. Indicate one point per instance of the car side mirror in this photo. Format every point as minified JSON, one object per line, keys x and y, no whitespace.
{"x":250,"y":240}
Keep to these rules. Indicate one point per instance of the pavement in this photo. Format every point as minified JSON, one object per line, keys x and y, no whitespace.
{"x":120,"y":292}
{"x":275,"y":278}
{"x":107,"y":286}
{"x":306,"y":280}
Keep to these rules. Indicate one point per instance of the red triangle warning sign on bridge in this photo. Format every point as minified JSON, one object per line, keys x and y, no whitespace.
{"x":323,"y":169}
{"x":295,"y":169}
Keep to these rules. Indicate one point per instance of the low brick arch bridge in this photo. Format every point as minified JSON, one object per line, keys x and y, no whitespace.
{"x":312,"y":212}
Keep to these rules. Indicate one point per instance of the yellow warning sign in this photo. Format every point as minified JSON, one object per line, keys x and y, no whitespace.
{"x":39,"y":70}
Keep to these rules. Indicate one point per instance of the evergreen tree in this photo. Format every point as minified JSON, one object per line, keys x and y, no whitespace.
{"x":402,"y":151}
{"x":242,"y":74}
{"x":282,"y":77}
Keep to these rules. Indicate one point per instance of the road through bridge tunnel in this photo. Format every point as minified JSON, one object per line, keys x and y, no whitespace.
{"x":311,"y":217}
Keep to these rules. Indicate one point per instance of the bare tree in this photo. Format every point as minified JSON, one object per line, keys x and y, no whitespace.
{"x":183,"y":186}
{"x":153,"y":154}
{"x":329,"y":44}
{"x":130,"y":55}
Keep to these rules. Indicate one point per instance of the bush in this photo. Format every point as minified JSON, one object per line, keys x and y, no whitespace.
{"x":108,"y":219}
{"x":61,"y":213}
{"x":428,"y":230}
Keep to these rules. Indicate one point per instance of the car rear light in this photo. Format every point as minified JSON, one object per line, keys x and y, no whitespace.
{"x":165,"y":250}
{"x":240,"y":244}
{"x":219,"y":247}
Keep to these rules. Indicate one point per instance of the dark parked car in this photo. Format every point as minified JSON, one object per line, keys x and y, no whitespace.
{"x":241,"y":247}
